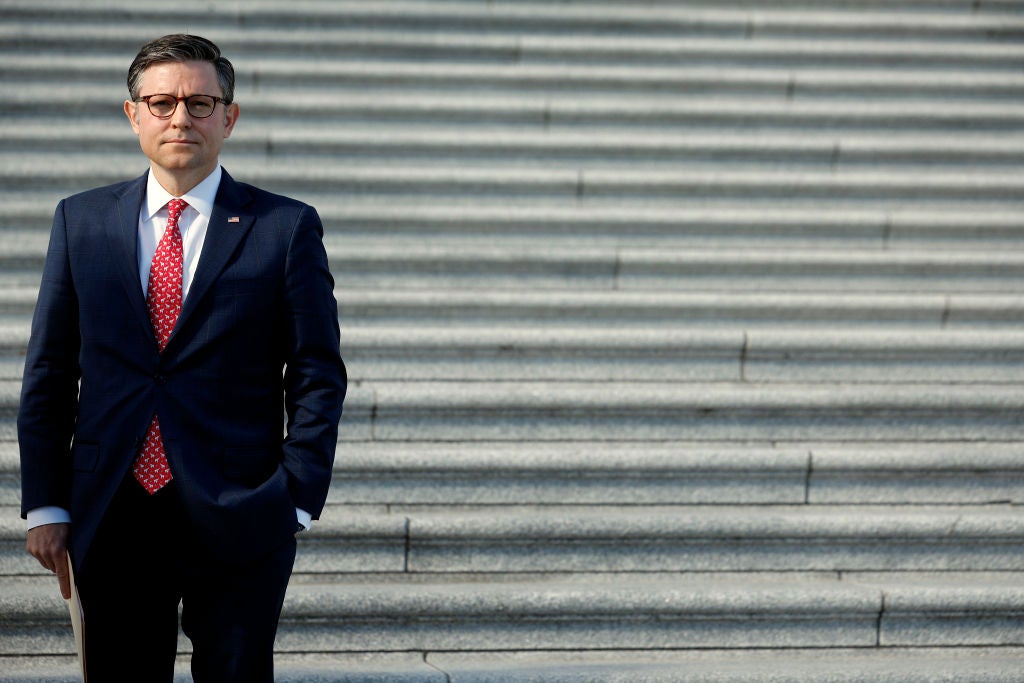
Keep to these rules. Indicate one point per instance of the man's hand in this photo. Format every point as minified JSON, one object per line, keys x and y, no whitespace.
{"x":49,"y":544}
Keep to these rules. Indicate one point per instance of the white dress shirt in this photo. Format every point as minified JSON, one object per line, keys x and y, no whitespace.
{"x":192,"y":224}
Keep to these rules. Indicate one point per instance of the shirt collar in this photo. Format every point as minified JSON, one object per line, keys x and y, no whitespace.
{"x":200,"y":197}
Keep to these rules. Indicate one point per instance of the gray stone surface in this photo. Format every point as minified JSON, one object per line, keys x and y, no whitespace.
{"x":687,"y":223}
{"x":694,"y":411}
{"x":607,"y":267}
{"x":708,"y":539}
{"x":684,"y":337}
{"x":513,"y":183}
{"x":748,"y":666}
{"x":580,"y":612}
{"x":632,"y":310}
{"x":558,"y":473}
{"x":919,"y":473}
{"x":297,"y":668}
{"x":395,"y":353}
{"x":917,"y":665}
{"x":425,"y":473}
{"x":574,"y":410}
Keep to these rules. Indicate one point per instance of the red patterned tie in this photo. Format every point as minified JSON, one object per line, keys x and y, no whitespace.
{"x":163,"y":297}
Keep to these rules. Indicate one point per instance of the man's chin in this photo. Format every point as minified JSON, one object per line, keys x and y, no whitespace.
{"x":180,"y":161}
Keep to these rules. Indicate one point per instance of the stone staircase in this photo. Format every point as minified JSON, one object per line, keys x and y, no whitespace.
{"x":686,"y":338}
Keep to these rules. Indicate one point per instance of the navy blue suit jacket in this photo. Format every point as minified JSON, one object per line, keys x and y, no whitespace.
{"x":248,"y":391}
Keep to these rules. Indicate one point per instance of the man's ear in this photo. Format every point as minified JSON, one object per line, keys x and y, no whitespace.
{"x":231,"y":113}
{"x":131,"y":110}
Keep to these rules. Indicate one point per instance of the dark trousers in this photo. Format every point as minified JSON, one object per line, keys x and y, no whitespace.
{"x":143,"y":564}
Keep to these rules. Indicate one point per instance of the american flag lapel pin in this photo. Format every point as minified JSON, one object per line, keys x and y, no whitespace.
{"x":233,"y":219}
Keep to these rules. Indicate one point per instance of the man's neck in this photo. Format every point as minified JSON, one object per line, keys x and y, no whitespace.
{"x":178,"y":184}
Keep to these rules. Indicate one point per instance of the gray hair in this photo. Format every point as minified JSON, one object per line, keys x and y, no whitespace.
{"x":180,"y":47}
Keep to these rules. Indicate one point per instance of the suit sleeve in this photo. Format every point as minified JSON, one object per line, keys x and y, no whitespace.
{"x":49,"y":394}
{"x":315,"y":379}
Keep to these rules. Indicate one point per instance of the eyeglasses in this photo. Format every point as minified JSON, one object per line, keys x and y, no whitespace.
{"x":198,"y":106}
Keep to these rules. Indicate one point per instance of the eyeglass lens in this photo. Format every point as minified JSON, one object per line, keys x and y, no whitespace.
{"x":199,"y":106}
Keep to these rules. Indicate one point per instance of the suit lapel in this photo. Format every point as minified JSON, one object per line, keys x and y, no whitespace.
{"x":123,"y":235}
{"x":229,"y":225}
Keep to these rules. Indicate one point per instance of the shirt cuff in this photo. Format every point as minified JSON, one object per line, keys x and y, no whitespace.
{"x":305,"y":519}
{"x":56,"y":515}
{"x":50,"y":514}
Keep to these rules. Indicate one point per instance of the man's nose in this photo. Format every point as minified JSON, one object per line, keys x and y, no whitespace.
{"x":181,"y":118}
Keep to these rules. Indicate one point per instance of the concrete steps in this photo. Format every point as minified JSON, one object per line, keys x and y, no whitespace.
{"x":936,"y":19}
{"x":699,"y":224}
{"x":589,"y":612}
{"x":450,"y":145}
{"x":624,"y":269}
{"x":646,"y":309}
{"x":600,"y":539}
{"x":684,"y":337}
{"x":566,"y":411}
{"x":495,"y":47}
{"x":851,"y":665}
{"x":479,"y":411}
{"x":600,"y":185}
{"x":678,"y":473}
{"x":384,"y":476}
{"x":94,"y":102}
{"x":510,"y":354}
{"x":609,"y":539}
{"x":541,"y":79}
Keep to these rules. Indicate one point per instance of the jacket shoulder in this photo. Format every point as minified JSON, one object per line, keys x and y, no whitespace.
{"x":104,"y":194}
{"x":261,"y":197}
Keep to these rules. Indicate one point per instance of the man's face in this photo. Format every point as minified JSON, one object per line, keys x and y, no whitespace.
{"x":181,"y":147}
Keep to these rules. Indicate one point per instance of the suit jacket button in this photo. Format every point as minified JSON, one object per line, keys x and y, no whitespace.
{"x":160,"y":379}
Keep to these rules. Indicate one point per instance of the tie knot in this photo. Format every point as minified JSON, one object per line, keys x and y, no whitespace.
{"x":174,"y":209}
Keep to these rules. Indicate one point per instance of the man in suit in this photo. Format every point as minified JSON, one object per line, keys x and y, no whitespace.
{"x":182,"y":390}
